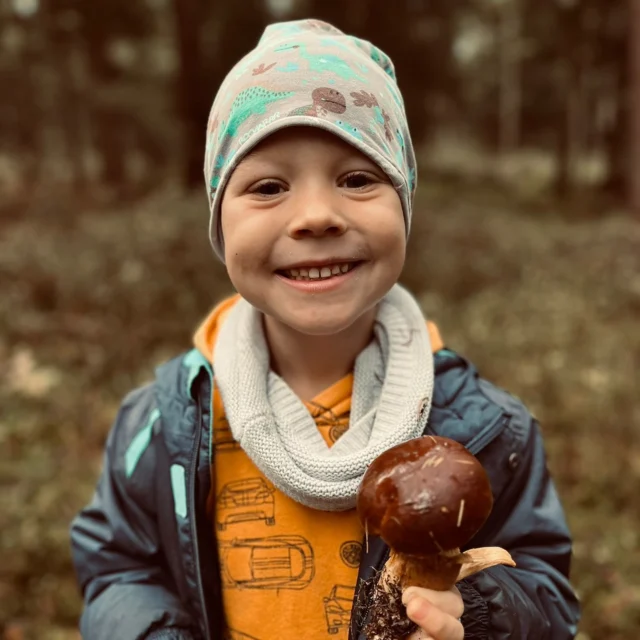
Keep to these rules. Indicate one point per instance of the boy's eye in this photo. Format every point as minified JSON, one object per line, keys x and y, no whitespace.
{"x":268,"y":188}
{"x":358,"y":180}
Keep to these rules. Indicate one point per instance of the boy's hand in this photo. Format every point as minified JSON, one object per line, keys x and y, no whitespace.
{"x":437,"y":613}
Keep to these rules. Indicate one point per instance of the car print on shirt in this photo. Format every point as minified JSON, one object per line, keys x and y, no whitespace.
{"x":350,"y":553}
{"x":337,"y":431}
{"x":337,"y":607}
{"x":245,"y":501}
{"x":275,"y":562}
{"x":325,"y":417}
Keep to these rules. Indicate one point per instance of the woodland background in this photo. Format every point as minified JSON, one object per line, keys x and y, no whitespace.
{"x":525,"y":250}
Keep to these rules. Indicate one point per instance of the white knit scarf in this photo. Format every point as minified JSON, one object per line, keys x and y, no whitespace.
{"x":391,"y":400}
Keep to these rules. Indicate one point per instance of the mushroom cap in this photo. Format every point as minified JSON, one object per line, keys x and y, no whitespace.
{"x":424,"y":496}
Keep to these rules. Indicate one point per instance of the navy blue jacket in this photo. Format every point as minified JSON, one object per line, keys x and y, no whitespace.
{"x":145,"y":552}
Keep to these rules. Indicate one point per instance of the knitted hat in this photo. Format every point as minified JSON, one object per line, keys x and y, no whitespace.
{"x":308,"y":73}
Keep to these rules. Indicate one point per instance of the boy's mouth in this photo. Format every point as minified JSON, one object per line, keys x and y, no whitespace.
{"x":319,"y":273}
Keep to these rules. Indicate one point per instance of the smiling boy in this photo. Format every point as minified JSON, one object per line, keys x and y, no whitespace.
{"x":315,"y":237}
{"x":226,"y":504}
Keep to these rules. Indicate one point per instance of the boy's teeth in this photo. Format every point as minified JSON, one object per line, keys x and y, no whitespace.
{"x":316,"y":274}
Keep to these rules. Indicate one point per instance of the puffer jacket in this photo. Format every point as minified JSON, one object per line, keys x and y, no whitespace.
{"x":145,"y":552}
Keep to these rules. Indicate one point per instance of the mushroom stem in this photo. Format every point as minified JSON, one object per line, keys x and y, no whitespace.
{"x":442,"y":570}
{"x":438,"y":571}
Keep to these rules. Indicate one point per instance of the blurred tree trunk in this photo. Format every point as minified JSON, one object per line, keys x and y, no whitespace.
{"x":49,"y":98}
{"x":510,"y":81}
{"x":192,"y":93}
{"x":572,"y":59}
{"x":358,"y":13}
{"x":616,"y":146}
{"x":109,"y":130}
{"x":616,"y":100}
{"x":564,"y":154}
{"x":35,"y":114}
{"x":74,"y":115}
{"x":633,"y":165}
{"x":67,"y":118}
{"x":114,"y":119}
{"x":572,"y":128}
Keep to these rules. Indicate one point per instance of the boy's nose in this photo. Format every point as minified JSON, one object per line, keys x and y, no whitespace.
{"x":315,"y":219}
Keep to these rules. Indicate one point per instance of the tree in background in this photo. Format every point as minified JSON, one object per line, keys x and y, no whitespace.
{"x":633,"y":120}
{"x":559,"y":81}
{"x":192,"y":91}
{"x":210,"y":37}
{"x":508,"y":49}
{"x":64,"y":66}
{"x":104,"y":28}
{"x":118,"y":83}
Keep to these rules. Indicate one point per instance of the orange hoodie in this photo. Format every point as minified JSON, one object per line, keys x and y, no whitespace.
{"x":281,"y":561}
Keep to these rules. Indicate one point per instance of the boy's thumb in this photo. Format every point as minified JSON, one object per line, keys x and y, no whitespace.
{"x":409,"y":594}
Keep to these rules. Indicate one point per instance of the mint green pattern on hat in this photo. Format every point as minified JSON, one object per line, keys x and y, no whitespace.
{"x":308,"y":73}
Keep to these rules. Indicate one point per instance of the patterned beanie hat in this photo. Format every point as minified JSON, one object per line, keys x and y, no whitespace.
{"x":308,"y":73}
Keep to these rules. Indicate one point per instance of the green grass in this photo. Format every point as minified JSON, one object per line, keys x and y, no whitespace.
{"x":546,"y":306}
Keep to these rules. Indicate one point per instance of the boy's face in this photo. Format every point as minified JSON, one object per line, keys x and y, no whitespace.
{"x":304,"y":204}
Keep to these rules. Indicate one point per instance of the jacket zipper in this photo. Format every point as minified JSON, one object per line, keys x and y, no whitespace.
{"x":194,"y":529}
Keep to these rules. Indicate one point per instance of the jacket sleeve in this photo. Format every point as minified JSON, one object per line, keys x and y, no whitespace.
{"x":534,"y":600}
{"x":115,"y":540}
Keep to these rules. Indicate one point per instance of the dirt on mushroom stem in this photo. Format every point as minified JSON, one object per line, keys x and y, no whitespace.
{"x":388,"y":618}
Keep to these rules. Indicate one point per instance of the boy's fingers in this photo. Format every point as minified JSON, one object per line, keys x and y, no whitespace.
{"x":448,"y":601}
{"x":434,"y":622}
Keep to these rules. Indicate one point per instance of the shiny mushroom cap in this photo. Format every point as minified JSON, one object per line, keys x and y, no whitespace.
{"x":425,"y":496}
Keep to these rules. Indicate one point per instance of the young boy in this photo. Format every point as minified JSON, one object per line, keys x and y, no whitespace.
{"x":226,"y":504}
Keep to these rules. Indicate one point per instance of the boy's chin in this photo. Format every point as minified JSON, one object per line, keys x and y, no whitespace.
{"x":317,"y":326}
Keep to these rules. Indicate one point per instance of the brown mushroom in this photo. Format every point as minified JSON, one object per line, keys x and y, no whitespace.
{"x":425,"y":498}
